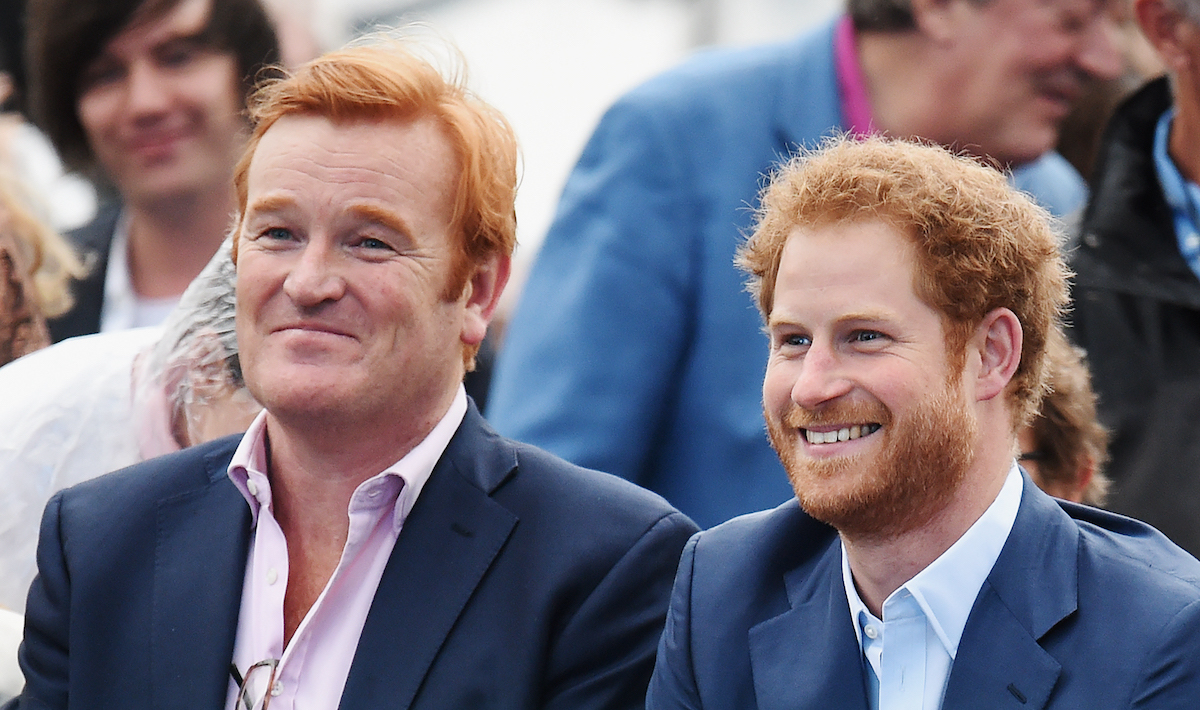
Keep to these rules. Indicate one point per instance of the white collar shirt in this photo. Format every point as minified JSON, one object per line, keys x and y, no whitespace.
{"x":312,"y":669}
{"x":911,"y":650}
{"x":122,"y":308}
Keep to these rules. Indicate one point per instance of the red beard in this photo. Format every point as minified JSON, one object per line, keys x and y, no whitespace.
{"x":923,"y":459}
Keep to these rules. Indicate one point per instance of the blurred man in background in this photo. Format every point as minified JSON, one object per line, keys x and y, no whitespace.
{"x":1137,"y":292}
{"x":149,"y":97}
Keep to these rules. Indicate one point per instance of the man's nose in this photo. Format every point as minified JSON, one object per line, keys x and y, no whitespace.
{"x":146,"y":92}
{"x":1100,"y":54}
{"x":314,"y":278}
{"x":822,"y":377}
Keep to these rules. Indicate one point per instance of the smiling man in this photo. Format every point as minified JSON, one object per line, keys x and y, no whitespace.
{"x":637,"y":270}
{"x":908,"y":296}
{"x":370,"y":541}
{"x":149,"y":96}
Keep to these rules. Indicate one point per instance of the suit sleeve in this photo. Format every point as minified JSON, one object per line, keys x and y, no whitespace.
{"x":1170,"y":676}
{"x":45,"y":651}
{"x":673,"y":685}
{"x":605,"y":654}
{"x":594,"y":348}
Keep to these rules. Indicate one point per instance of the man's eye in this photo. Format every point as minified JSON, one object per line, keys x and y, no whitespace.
{"x":866,"y":336}
{"x":795,"y":341}
{"x":101,"y":75}
{"x":372,"y":243}
{"x":277,"y":233}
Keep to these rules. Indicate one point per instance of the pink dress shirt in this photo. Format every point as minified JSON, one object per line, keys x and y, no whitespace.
{"x":313,"y":668}
{"x":852,"y":84}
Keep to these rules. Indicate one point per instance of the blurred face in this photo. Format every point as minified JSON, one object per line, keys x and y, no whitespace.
{"x":1018,"y":65}
{"x":343,"y":258}
{"x":161,"y":110}
{"x":861,"y":404}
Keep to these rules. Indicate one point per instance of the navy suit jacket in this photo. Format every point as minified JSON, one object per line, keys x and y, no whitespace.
{"x":1083,"y":610}
{"x":518,"y":581}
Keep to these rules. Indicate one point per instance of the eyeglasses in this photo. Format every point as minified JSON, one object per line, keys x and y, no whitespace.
{"x":254,"y":690}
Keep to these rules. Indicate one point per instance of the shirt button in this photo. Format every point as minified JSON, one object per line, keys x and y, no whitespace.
{"x":273,"y":577}
{"x":871,"y":632}
{"x":252,"y":487}
{"x":277,"y":688}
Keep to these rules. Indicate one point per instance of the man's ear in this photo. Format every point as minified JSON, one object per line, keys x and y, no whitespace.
{"x":1166,"y":30}
{"x":482,"y":295}
{"x":998,"y":340}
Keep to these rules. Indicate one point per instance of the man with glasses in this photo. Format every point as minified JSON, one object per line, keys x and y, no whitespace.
{"x":369,"y":541}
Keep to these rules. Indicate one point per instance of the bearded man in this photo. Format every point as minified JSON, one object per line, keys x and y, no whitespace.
{"x":908,"y":296}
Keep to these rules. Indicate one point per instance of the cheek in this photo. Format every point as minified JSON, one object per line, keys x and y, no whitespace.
{"x":96,"y":110}
{"x":777,"y":389}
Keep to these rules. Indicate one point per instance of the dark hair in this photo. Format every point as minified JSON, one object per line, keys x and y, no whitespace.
{"x":881,"y":15}
{"x":65,"y":36}
{"x":12,"y":37}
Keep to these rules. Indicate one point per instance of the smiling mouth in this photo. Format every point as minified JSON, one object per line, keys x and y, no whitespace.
{"x":844,"y":434}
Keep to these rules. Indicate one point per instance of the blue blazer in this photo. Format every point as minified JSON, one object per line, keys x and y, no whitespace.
{"x":518,"y":581}
{"x":1083,"y":610}
{"x":635,"y":349}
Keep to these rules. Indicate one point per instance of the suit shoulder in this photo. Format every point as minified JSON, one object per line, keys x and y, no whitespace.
{"x":156,"y":479}
{"x":715,"y":76}
{"x":1122,"y":551}
{"x":589,"y":492}
{"x":782,"y":538}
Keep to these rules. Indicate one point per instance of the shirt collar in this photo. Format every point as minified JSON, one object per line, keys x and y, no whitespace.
{"x":852,"y":84}
{"x":248,"y":467}
{"x":946,"y":589}
{"x":1182,"y":196}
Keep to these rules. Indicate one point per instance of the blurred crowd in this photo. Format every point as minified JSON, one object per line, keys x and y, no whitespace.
{"x":634,"y":348}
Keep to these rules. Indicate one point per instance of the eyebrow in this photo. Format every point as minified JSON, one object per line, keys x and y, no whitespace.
{"x":863,"y":317}
{"x":271,"y":204}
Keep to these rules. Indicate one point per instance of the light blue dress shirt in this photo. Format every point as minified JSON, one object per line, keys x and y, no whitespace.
{"x":1181,"y":195}
{"x":911,"y":650}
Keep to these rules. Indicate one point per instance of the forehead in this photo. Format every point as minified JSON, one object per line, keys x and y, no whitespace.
{"x":405,"y":165}
{"x":845,"y":266}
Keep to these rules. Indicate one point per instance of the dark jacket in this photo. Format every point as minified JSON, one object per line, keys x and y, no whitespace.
{"x":1083,"y":609}
{"x":518,"y":581}
{"x":1137,"y":313}
{"x":93,"y":240}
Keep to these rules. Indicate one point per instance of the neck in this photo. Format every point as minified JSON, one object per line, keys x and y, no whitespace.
{"x":312,"y":482}
{"x":1185,"y":130}
{"x":172,"y":239}
{"x":880,"y":566}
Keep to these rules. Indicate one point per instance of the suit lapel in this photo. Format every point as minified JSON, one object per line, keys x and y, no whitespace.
{"x":448,"y":543}
{"x":200,"y":563}
{"x":1032,"y":587}
{"x":809,"y":657}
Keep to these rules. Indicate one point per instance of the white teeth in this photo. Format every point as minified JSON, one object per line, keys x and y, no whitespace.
{"x":843,"y":434}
